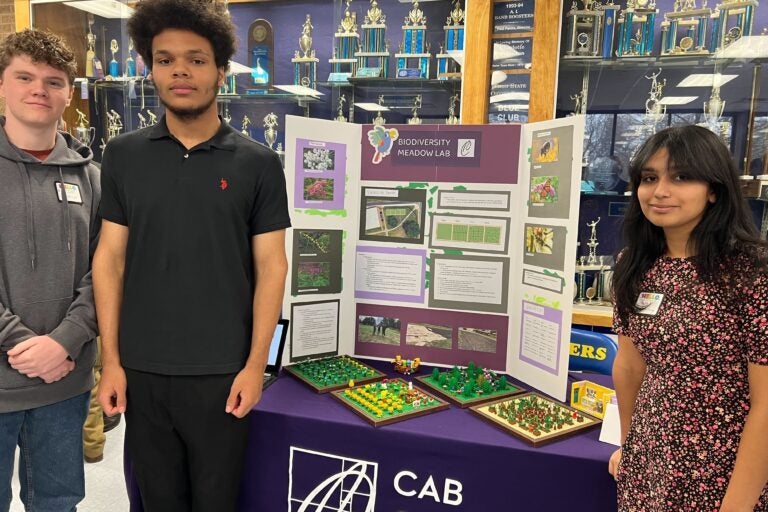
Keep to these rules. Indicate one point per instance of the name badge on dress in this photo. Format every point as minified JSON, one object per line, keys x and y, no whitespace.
{"x":648,"y":303}
{"x":72,"y":190}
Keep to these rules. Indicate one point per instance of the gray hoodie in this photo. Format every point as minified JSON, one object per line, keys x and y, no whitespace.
{"x":46,"y":246}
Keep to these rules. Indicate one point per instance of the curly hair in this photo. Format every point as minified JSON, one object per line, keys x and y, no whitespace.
{"x":206,"y":18}
{"x":42,"y":47}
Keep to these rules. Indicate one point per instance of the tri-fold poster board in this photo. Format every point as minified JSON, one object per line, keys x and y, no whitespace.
{"x":454,"y":243}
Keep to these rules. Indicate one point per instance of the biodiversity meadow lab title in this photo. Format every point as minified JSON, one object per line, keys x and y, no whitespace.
{"x":423,"y":147}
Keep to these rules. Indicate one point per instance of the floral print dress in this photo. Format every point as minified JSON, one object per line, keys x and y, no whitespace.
{"x":694,"y":399}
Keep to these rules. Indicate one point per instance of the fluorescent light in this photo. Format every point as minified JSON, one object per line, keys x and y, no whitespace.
{"x":372,"y":107}
{"x":104,"y":8}
{"x":299,"y":90}
{"x":237,"y":68}
{"x":706,"y":80}
{"x":746,"y":47}
{"x":677,"y":100}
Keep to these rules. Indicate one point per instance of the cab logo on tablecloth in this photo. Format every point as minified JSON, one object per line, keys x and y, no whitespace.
{"x":323,"y":482}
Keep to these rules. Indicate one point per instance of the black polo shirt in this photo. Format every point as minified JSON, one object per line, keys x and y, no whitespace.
{"x":189,"y":282}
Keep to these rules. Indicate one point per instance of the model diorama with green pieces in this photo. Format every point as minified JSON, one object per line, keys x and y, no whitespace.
{"x":333,"y":372}
{"x":534,"y":418}
{"x":465,"y":386}
{"x":388,"y":401}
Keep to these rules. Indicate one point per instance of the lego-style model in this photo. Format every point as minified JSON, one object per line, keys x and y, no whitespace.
{"x":388,"y":401}
{"x":335,"y":372}
{"x":534,"y":418}
{"x":406,"y":366}
{"x":465,"y":386}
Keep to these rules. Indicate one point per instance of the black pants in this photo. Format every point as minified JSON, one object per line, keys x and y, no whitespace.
{"x":187,"y":453}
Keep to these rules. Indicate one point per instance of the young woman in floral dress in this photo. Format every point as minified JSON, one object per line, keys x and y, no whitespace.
{"x":691,"y":311}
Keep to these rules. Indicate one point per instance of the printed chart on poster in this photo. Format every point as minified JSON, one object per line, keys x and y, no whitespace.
{"x":447,"y":243}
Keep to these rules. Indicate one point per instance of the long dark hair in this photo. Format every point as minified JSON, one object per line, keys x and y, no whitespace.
{"x":726,"y":229}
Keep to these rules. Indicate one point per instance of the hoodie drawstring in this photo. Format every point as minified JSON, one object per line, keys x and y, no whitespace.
{"x":28,"y":210}
{"x":65,"y":205}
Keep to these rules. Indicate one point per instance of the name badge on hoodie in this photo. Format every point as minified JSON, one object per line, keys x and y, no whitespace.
{"x":72,"y":191}
{"x":648,"y":303}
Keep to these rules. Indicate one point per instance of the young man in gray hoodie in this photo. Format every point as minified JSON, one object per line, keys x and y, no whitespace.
{"x":49,"y":196}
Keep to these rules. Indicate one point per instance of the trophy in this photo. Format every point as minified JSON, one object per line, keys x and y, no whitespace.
{"x":590,"y":30}
{"x":413,"y":57}
{"x":379,"y":119}
{"x":305,"y":66}
{"x":639,"y":18}
{"x":245,"y":130}
{"x":142,"y":120}
{"x":655,"y":110}
{"x":713,"y":108}
{"x":452,"y":118}
{"x":579,"y":105}
{"x":346,"y":41}
{"x":114,"y":125}
{"x":152,"y":118}
{"x":93,"y":67}
{"x":731,"y":21}
{"x":114,"y":66}
{"x":592,"y":243}
{"x":447,"y":67}
{"x":261,"y":52}
{"x":693,"y":22}
{"x":340,"y":112}
{"x":373,"y":60}
{"x":270,"y":129}
{"x":415,"y":119}
{"x":130,"y":64}
{"x":226,"y":116}
{"x":83,"y":131}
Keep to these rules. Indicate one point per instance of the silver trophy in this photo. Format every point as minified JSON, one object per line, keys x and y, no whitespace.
{"x":84,"y":132}
{"x":452,"y":119}
{"x":340,"y":112}
{"x":270,"y":129}
{"x":655,"y":110}
{"x":592,"y":243}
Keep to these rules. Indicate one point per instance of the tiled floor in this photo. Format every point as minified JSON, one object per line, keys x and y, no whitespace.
{"x":104,"y":482}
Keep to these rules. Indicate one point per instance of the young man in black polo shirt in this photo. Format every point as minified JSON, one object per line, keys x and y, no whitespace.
{"x":190,"y":268}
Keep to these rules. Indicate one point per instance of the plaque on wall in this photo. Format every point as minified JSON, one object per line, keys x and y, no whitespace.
{"x":261,"y":51}
{"x":511,"y":17}
{"x":512,"y":53}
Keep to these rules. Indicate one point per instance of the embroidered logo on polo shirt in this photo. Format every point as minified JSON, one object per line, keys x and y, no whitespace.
{"x":223,"y":184}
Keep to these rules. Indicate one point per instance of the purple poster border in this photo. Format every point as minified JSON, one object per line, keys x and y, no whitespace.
{"x":553,"y":315}
{"x":338,"y":175}
{"x":455,"y":319}
{"x":392,"y":296}
{"x":498,"y":148}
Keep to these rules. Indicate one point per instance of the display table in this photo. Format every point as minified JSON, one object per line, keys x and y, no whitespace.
{"x":449,"y":460}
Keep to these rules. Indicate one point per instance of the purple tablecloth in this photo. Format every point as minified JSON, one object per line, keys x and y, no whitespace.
{"x":308,"y":448}
{"x":450,"y":460}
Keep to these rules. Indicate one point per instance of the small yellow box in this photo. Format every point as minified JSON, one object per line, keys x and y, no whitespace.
{"x":591,"y":398}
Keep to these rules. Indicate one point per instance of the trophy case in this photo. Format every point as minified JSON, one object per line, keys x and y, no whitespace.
{"x":334,"y":59}
{"x":684,"y":62}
